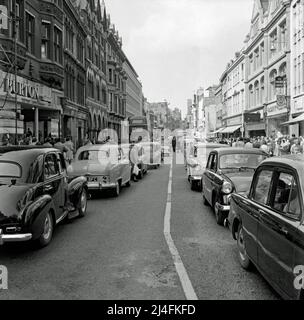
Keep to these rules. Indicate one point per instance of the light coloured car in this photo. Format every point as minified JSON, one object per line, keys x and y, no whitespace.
{"x":152,"y":154}
{"x":105,"y":166}
{"x":196,"y":162}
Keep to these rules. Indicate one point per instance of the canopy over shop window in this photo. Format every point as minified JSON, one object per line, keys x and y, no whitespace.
{"x":231,"y":129}
{"x":295,"y":120}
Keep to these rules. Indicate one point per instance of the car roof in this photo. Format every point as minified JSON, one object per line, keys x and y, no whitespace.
{"x":231,"y":150}
{"x":211,"y":145}
{"x":23,"y":155}
{"x":295,"y":160}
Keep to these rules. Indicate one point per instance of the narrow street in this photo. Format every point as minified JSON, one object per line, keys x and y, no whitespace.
{"x":118,"y":251}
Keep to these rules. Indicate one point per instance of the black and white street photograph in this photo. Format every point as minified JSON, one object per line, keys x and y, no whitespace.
{"x":152,"y":150}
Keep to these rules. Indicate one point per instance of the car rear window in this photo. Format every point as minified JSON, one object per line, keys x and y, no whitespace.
{"x":93,"y":155}
{"x":10,"y":169}
{"x":239,"y":160}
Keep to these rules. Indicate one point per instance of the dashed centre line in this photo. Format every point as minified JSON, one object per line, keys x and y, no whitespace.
{"x":179,"y":266}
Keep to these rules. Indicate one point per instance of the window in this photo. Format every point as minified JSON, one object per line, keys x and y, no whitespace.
{"x":30,"y":33}
{"x":262,"y":186}
{"x":57,"y":45}
{"x":212,"y":162}
{"x":19,"y":16}
{"x":36,"y":171}
{"x":50,"y":166}
{"x":45,"y":40}
{"x":286,"y":198}
{"x":241,"y":160}
{"x":10,"y":169}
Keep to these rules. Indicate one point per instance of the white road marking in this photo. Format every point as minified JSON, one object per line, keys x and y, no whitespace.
{"x":179,"y":266}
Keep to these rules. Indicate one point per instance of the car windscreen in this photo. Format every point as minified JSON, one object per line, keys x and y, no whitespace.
{"x":240,"y":160}
{"x":93,"y":155}
{"x":10,"y":169}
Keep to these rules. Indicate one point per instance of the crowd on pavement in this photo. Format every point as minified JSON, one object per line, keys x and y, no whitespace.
{"x":274,"y":146}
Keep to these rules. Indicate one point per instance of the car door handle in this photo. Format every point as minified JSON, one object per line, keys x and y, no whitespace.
{"x":284,"y":231}
{"x":261,"y":212}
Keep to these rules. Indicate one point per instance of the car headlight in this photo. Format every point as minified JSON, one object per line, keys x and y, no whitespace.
{"x":227,"y":187}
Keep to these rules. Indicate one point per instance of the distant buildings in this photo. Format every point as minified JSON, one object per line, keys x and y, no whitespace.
{"x":253,"y":100}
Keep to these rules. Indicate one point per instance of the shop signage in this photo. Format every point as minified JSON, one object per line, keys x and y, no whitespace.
{"x":281,"y":101}
{"x":279,"y":82}
{"x":23,"y":89}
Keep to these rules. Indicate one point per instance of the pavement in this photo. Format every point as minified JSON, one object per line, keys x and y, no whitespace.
{"x":119,"y":251}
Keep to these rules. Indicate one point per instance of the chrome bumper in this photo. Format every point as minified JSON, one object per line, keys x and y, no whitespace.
{"x":100,"y":186}
{"x":222,"y":207}
{"x":14,"y":237}
{"x":196,"y":178}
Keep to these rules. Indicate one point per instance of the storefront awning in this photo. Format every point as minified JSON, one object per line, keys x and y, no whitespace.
{"x":231,"y":129}
{"x":218,"y":131}
{"x":295,"y":120}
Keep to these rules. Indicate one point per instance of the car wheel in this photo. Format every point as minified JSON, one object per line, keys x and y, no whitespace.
{"x":128,"y":184}
{"x":48,"y":229}
{"x":117,"y":189}
{"x":219,"y":215}
{"x":242,"y":254}
{"x":83,"y":203}
{"x":140,"y":175}
{"x":193,"y":185}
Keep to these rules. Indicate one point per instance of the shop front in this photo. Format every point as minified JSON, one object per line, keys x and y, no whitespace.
{"x":37,"y":107}
{"x":276,"y":117}
{"x":74,"y":123}
{"x":233,"y":127}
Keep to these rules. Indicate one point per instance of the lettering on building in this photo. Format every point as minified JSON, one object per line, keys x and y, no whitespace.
{"x":22,"y":89}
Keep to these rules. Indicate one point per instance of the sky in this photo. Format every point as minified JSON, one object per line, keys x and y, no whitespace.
{"x":178,"y":46}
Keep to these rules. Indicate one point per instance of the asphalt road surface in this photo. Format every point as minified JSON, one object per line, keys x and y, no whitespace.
{"x":118,"y":251}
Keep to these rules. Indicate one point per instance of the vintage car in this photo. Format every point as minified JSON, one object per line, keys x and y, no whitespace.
{"x":268,"y":224}
{"x":228,"y":170}
{"x":106,"y":167}
{"x":197,"y":161}
{"x":35,"y":194}
{"x":152,"y":154}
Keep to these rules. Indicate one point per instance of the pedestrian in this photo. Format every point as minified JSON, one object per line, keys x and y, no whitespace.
{"x":29,"y":133}
{"x":248,"y":144}
{"x":47,"y":143}
{"x":71,"y":149}
{"x":264,"y":147}
{"x":174,"y":144}
{"x":296,"y":148}
{"x":60,"y":145}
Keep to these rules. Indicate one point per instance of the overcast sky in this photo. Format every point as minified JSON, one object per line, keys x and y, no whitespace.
{"x":177,"y":46}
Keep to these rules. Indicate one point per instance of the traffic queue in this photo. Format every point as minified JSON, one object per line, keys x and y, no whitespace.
{"x":39,"y":188}
{"x":261,"y":199}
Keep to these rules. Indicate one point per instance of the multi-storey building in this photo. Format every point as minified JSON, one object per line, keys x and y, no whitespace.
{"x":267,"y":56}
{"x":75,"y":112}
{"x":116,"y":78}
{"x":93,"y":16}
{"x":160,"y":111}
{"x":134,"y":100}
{"x":37,"y":89}
{"x":233,"y":95}
{"x":297,"y":66}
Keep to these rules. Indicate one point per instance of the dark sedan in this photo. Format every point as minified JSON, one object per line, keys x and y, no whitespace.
{"x":35,"y":194}
{"x":268,"y":224}
{"x":228,"y":170}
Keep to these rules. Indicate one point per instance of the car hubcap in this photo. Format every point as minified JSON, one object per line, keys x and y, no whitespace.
{"x":83,"y":201}
{"x":241,"y":245}
{"x":47,"y":227}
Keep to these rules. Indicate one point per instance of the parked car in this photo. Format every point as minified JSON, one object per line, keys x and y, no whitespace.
{"x":106,"y":167}
{"x":35,"y":194}
{"x":267,"y":223}
{"x":196,"y":163}
{"x":152,"y":154}
{"x":165,"y":152}
{"x":228,"y":170}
